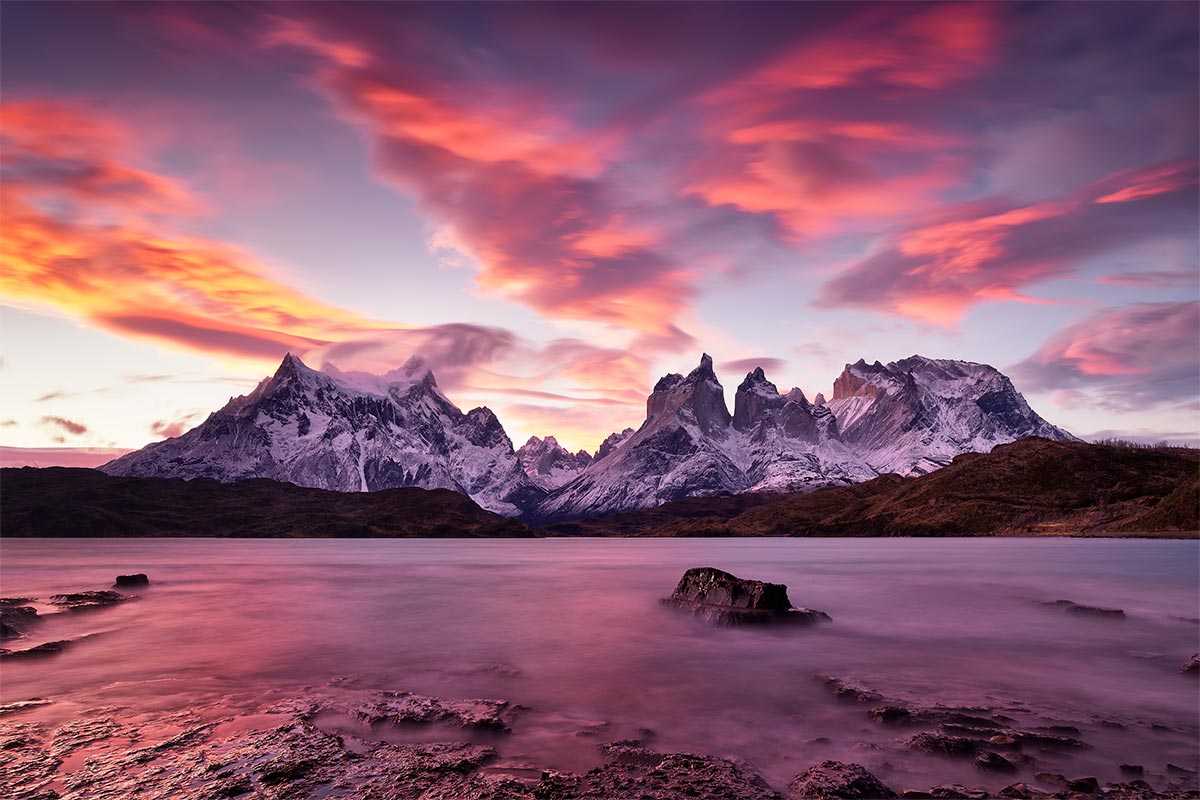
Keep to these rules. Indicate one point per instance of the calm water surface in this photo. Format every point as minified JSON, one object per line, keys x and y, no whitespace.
{"x":573,"y":630}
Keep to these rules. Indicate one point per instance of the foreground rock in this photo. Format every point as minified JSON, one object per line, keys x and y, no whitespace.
{"x":830,"y":780}
{"x":724,"y":599}
{"x":405,"y":708}
{"x":1193,"y":664}
{"x":137,"y":579}
{"x":295,"y":758}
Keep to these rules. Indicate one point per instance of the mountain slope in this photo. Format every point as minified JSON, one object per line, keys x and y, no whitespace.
{"x":548,"y":464}
{"x":347,"y":432}
{"x":1030,"y":487}
{"x":915,"y":415}
{"x":58,"y":501}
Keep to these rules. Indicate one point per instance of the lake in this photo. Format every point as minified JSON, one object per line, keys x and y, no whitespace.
{"x":572,"y":630}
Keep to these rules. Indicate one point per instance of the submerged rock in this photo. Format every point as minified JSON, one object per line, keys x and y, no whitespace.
{"x":1193,"y":664}
{"x":81,"y":600}
{"x":1086,"y":611}
{"x":994,"y":762}
{"x":16,"y":620}
{"x":47,"y":649}
{"x":137,"y":579}
{"x":831,"y":780}
{"x":725,"y":599}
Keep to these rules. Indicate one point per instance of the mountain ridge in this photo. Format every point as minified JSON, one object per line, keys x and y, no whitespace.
{"x":348,"y":431}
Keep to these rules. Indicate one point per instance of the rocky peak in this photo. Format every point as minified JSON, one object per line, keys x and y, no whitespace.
{"x":819,"y":400}
{"x":613,"y":441}
{"x":699,"y":398}
{"x":755,"y":398}
{"x":851,"y":384}
{"x":797,"y":396}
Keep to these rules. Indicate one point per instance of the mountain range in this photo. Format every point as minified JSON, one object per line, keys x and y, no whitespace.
{"x":351,"y":432}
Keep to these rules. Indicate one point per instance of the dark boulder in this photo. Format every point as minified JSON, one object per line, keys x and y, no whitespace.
{"x":137,"y":579}
{"x":724,"y":599}
{"x":944,"y":745}
{"x":47,"y":649}
{"x":830,"y":780}
{"x":1193,"y":664}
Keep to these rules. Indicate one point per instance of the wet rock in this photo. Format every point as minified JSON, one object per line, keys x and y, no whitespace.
{"x":76,"y":601}
{"x":724,"y":599}
{"x":1132,"y":769}
{"x":994,"y":762}
{"x":890,"y":715}
{"x":833,"y":779}
{"x":1088,"y":785}
{"x":21,"y":705}
{"x":16,"y":620}
{"x":1047,"y":741}
{"x":676,"y":775}
{"x":1086,"y":611}
{"x":137,"y":579}
{"x":953,"y":791}
{"x":1137,"y":790}
{"x":405,"y":708}
{"x":1021,"y":791}
{"x":944,"y":745}
{"x":46,"y":649}
{"x":849,"y":692}
{"x":630,"y":751}
{"x":1175,"y":769}
{"x":1193,"y":664}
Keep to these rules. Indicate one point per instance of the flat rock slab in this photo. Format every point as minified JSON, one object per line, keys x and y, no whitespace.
{"x":81,"y":600}
{"x":1086,"y":611}
{"x":727,"y":600}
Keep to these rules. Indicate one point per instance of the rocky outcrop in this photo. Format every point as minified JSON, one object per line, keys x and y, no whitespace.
{"x":1193,"y":664}
{"x":16,"y":618}
{"x":1086,"y":611}
{"x":77,"y":601}
{"x":138,"y":579}
{"x":724,"y":599}
{"x":833,"y":780}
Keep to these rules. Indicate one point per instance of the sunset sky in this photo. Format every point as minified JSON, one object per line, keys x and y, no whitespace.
{"x":558,"y":203}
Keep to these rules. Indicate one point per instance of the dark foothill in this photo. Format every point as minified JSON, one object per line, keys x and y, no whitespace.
{"x":137,"y":579}
{"x":81,"y":600}
{"x":1086,"y":611}
{"x":831,"y":780}
{"x":724,"y":599}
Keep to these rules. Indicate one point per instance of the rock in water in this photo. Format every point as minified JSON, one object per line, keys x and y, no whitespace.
{"x":138,"y":579}
{"x":724,"y":599}
{"x":78,"y":600}
{"x":1193,"y":665}
{"x":831,"y":780}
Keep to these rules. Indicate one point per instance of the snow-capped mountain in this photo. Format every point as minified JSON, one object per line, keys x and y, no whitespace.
{"x":691,"y":445}
{"x":347,"y":432}
{"x":548,"y":464}
{"x":356,"y":432}
{"x":913,"y":416}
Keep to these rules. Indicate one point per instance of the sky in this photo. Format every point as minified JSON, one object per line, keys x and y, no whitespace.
{"x":557,"y":203}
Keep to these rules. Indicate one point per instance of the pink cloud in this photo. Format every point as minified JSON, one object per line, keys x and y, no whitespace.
{"x":1137,"y":356}
{"x":935,"y":272}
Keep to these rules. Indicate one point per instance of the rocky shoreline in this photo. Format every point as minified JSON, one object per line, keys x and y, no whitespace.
{"x":352,"y":739}
{"x":300,"y":748}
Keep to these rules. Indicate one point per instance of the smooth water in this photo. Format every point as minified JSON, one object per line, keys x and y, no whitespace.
{"x":573,"y":630}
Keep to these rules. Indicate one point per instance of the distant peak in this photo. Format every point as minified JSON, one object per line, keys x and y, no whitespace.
{"x":291,"y":365}
{"x":819,"y":400}
{"x":756,"y":381}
